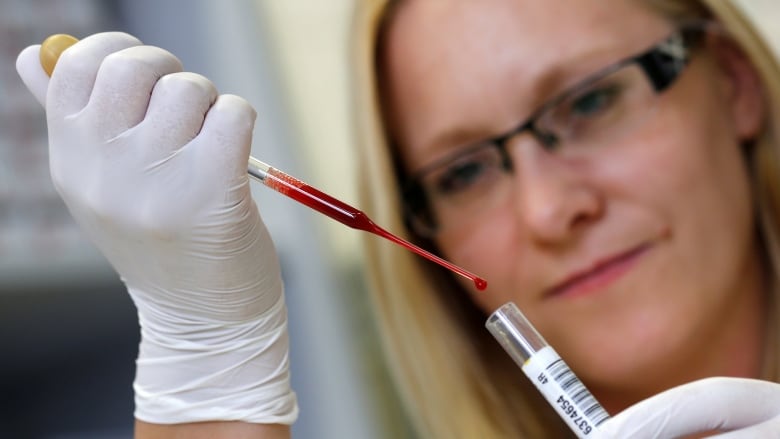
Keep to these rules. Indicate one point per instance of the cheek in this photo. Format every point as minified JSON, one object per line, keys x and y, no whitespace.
{"x":491,"y":252}
{"x":691,"y":177}
{"x":686,"y":163}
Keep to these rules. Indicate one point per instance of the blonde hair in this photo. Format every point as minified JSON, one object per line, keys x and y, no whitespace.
{"x":452,"y":376}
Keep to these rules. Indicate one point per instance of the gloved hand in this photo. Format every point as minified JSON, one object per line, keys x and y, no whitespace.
{"x":745,"y":408}
{"x":152,"y":164}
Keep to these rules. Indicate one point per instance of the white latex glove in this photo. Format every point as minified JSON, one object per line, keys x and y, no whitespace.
{"x":744,"y":408}
{"x":152,"y":164}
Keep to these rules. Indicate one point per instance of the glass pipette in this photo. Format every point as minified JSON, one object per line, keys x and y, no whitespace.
{"x":53,"y":46}
{"x":341,"y":212}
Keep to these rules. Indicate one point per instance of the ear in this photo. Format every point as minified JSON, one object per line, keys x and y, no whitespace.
{"x":744,"y":89}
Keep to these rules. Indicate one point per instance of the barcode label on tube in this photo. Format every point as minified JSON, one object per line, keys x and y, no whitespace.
{"x":565,"y":392}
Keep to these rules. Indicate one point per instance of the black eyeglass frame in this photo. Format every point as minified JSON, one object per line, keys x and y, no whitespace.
{"x":662,"y":63}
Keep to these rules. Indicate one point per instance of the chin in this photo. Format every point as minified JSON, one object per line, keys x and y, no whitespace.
{"x":626,"y":352}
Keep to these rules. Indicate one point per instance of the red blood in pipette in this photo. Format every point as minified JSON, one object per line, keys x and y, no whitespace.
{"x":349,"y":216}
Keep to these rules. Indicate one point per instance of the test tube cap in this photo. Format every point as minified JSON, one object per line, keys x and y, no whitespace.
{"x":515,"y":333}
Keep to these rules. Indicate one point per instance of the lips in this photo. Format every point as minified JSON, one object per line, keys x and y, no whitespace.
{"x":598,"y":275}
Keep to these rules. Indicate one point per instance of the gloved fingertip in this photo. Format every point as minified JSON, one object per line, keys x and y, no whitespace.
{"x":28,"y":65}
{"x":233,"y":114}
{"x":239,"y":107}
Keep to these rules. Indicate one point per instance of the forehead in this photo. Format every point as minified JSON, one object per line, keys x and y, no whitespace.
{"x":471,"y":64}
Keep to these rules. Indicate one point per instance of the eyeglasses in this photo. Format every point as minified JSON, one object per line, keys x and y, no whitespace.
{"x":456,"y":192}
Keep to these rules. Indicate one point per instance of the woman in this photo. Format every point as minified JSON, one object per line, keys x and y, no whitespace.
{"x":616,"y":249}
{"x":587,"y":159}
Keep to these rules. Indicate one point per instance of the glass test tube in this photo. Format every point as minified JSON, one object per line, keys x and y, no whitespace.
{"x":545,"y":368}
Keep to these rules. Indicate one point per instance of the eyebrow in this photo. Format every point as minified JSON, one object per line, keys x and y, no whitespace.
{"x":545,"y":85}
{"x":456,"y":136}
{"x":449,"y":143}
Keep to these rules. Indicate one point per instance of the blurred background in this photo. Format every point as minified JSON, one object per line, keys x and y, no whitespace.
{"x":68,"y":331}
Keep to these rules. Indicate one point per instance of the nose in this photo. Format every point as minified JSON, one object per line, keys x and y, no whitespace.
{"x":554,"y":200}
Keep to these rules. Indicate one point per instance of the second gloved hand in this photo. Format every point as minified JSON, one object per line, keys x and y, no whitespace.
{"x":152,"y":164}
{"x":738,"y":408}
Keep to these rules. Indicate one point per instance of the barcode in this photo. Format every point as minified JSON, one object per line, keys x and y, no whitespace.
{"x":579,"y":394}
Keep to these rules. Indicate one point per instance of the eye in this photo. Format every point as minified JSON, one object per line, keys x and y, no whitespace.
{"x":468,"y":173}
{"x":459,"y":177}
{"x":594,"y":101}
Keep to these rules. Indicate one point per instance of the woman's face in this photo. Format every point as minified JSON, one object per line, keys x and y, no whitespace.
{"x":631,"y":261}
